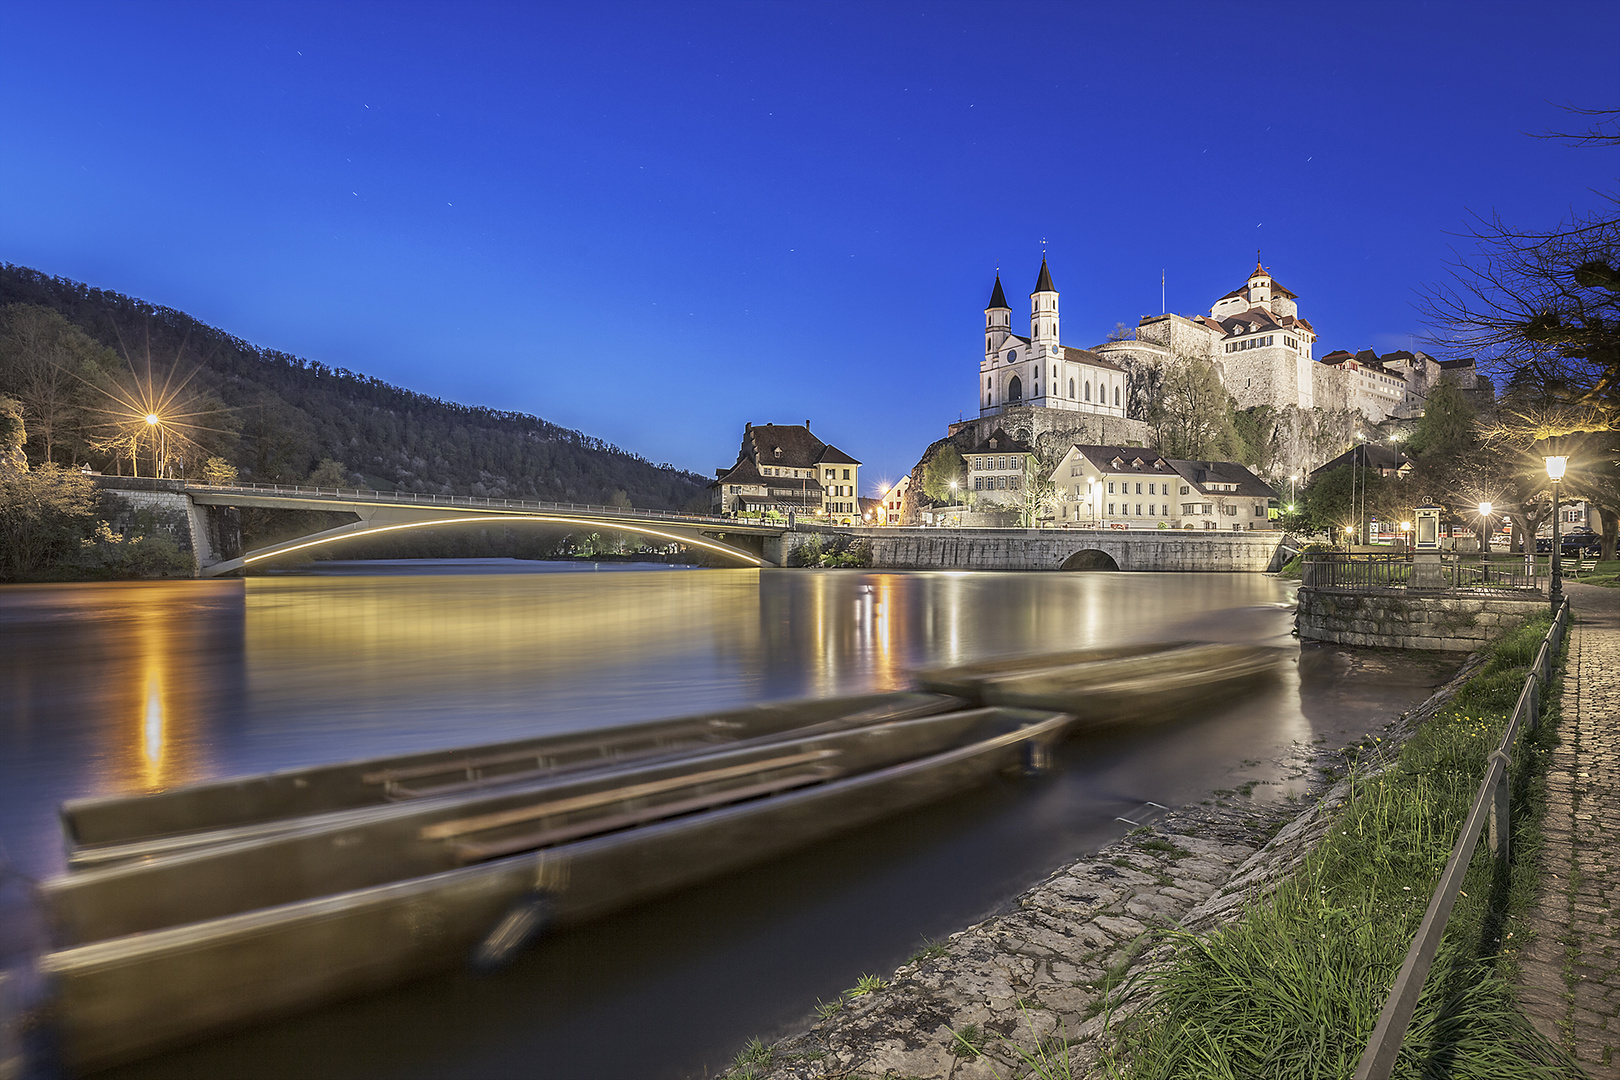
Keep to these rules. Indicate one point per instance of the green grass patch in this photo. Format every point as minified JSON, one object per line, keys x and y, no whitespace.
{"x":1293,"y":988}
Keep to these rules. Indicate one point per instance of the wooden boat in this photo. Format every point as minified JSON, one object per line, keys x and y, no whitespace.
{"x":966,"y":680}
{"x":1157,"y":685}
{"x":109,"y":830}
{"x":146,"y":960}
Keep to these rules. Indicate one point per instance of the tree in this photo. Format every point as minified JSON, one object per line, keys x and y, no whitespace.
{"x":216,"y":470}
{"x":944,"y":475}
{"x":13,"y":435}
{"x":1038,"y":497}
{"x":44,"y":514}
{"x":52,"y":368}
{"x":1546,"y":303}
{"x":1192,"y":415}
{"x":329,"y":474}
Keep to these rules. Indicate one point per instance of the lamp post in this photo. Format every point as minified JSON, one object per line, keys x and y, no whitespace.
{"x":1349,"y":531}
{"x":1406,"y":536}
{"x":1485,"y":532}
{"x":1555,"y":473}
{"x":158,"y":435}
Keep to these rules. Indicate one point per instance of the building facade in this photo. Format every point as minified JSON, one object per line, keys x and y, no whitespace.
{"x":1129,"y":487}
{"x":784,"y":469}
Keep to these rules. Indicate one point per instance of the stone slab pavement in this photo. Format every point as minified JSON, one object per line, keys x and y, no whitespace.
{"x":1570,"y":973}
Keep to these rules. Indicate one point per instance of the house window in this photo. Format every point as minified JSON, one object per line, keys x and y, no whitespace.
{"x":1138,"y":509}
{"x":1110,"y":490}
{"x":846,"y":474}
{"x":1110,"y":509}
{"x":1139,"y":490}
{"x":1184,"y":491}
{"x":1152,"y":489}
{"x":978,"y":483}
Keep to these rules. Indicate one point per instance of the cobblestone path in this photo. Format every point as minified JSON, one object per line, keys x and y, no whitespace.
{"x":1571,"y":971}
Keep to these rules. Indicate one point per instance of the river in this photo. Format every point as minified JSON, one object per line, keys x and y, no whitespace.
{"x":141,"y":686}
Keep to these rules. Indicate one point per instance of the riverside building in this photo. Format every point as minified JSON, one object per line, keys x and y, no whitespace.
{"x":784,"y":469}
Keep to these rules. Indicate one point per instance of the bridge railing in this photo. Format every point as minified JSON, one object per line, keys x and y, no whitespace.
{"x":1360,"y":571}
{"x":429,"y":499}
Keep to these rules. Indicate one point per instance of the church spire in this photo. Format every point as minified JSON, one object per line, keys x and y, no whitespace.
{"x":998,"y":299}
{"x":1044,"y":282}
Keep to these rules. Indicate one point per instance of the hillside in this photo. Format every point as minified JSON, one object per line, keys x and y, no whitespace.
{"x":283,"y":414}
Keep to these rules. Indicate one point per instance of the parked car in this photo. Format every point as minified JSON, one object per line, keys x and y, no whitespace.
{"x":1580,"y":542}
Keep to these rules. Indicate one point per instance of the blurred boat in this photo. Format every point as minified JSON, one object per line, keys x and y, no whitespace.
{"x":109,"y":830}
{"x":161,"y":951}
{"x":1098,"y":686}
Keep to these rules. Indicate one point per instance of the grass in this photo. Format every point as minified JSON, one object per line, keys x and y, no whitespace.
{"x":1293,"y":988}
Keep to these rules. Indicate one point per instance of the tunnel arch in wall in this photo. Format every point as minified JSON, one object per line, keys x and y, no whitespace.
{"x":1089,"y":559}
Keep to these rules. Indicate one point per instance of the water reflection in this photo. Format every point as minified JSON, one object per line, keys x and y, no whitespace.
{"x":128,"y":688}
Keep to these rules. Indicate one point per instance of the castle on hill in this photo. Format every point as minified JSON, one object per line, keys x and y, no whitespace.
{"x":1254,"y":336}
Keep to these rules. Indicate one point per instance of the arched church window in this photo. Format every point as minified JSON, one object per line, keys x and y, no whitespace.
{"x":1116,"y":395}
{"x":1071,"y":389}
{"x":1015,"y":389}
{"x":1088,"y":391}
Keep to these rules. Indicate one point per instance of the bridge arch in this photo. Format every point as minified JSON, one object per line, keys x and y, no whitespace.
{"x":370,"y":528}
{"x":1090,"y":559}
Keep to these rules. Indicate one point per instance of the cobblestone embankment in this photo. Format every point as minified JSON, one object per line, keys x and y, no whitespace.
{"x":1570,"y":973}
{"x":1042,"y":969}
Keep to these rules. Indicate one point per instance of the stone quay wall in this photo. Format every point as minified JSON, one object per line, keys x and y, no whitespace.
{"x":1066,"y":549}
{"x":1410,"y":619}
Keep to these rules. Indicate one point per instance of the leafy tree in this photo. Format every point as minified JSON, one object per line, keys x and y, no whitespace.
{"x":216,"y":470}
{"x":329,"y":474}
{"x":13,"y":435}
{"x":52,"y":367}
{"x":44,"y":514}
{"x":1192,"y":416}
{"x":943,"y":469}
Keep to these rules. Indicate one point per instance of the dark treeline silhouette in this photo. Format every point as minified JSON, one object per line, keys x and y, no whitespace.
{"x":290,"y":414}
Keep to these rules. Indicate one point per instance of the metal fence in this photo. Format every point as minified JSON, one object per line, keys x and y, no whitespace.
{"x":1355,"y":571}
{"x":1490,"y":813}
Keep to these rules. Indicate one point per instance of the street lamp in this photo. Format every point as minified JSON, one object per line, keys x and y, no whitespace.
{"x":155,"y":423}
{"x":1485,"y":532}
{"x":1349,"y":530}
{"x":1555,"y":473}
{"x":1406,"y":536}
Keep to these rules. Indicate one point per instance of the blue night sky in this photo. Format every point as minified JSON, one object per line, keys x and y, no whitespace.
{"x":654,"y":222}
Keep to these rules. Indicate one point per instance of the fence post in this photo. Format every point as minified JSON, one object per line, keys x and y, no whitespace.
{"x":1534,"y":719}
{"x":1500,"y":823}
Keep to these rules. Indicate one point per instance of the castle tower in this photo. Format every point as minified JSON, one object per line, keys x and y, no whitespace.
{"x":1043,"y":314}
{"x":1259,"y":286}
{"x":997,"y":320}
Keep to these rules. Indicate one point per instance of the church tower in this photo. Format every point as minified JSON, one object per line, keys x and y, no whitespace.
{"x":1043,"y":314}
{"x":997,"y":320}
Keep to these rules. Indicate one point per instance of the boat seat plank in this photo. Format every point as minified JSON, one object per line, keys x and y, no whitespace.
{"x":499,"y":819}
{"x":471,"y":851}
{"x":400,"y":792}
{"x":538,"y":754}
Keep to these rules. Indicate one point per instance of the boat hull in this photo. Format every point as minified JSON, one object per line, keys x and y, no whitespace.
{"x":122,"y":998}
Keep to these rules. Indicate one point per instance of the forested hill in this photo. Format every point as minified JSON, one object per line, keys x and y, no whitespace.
{"x":285,"y":414}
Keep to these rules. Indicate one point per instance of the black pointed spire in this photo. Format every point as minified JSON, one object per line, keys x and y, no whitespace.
{"x":998,"y":299}
{"x":1044,"y":282}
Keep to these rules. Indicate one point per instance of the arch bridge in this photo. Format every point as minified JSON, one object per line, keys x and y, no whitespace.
{"x":381,"y":513}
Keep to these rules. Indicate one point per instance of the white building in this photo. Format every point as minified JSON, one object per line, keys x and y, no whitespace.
{"x":1038,"y":370}
{"x":1129,"y":487}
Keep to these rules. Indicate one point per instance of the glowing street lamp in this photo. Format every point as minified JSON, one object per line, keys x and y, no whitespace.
{"x":1485,"y":532}
{"x":1555,"y":472}
{"x":1406,"y":535}
{"x":155,"y":422}
{"x":1349,"y":530}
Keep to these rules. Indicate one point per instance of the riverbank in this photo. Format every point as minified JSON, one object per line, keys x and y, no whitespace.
{"x":1040,"y":978}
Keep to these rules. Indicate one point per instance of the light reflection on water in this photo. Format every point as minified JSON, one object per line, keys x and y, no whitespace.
{"x":137,"y":687}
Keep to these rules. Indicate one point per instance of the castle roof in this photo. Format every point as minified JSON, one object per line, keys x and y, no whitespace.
{"x":998,"y":299}
{"x":1044,"y":282}
{"x":1002,"y":443}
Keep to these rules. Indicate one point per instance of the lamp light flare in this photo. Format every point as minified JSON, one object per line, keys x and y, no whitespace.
{"x":1555,"y":467}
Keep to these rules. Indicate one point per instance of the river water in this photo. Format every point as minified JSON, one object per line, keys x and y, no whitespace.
{"x":141,"y":686}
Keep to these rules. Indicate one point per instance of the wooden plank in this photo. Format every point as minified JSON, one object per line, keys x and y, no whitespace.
{"x":470,"y":851}
{"x":481,"y":822}
{"x":537,"y":754}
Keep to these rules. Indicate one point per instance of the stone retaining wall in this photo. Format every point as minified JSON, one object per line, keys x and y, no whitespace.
{"x":210,"y":533}
{"x":1407,"y":619}
{"x":1053,"y":549}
